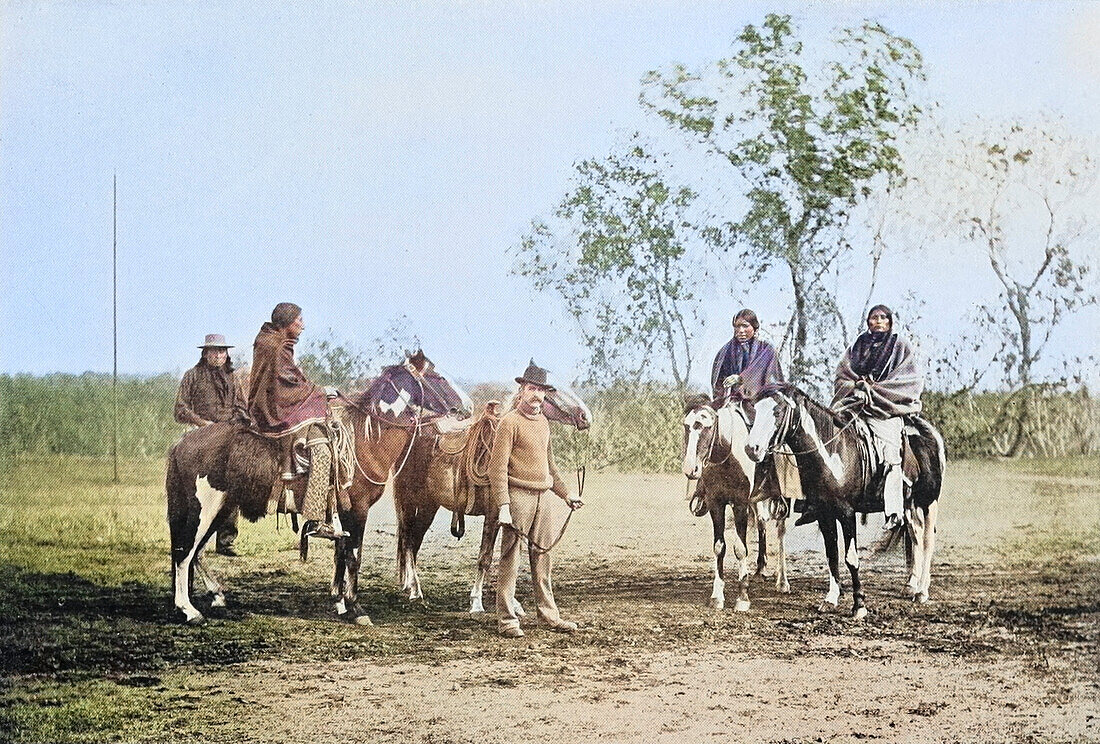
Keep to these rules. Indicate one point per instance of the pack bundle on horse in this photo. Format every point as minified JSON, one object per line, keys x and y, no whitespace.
{"x":451,"y":471}
{"x":219,"y":466}
{"x":837,"y":468}
{"x":714,"y":454}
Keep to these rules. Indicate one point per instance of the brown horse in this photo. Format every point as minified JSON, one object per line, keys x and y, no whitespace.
{"x":714,"y":454}
{"x":449,"y":472}
{"x":216,"y":467}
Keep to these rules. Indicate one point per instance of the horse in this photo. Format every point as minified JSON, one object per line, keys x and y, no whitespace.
{"x":450,"y":471}
{"x":714,"y":454}
{"x":835,"y":466}
{"x":219,"y":466}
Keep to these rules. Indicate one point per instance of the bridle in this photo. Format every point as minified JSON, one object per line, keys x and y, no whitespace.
{"x":783,"y":430}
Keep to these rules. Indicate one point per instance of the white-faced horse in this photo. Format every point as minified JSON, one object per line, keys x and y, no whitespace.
{"x":216,"y":467}
{"x":836,"y":470}
{"x":450,"y":471}
{"x":714,"y":454}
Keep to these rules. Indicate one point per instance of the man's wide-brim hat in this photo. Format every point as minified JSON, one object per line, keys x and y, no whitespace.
{"x":215,"y":341}
{"x":535,"y":375}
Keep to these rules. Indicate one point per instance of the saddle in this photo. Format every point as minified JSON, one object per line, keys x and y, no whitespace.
{"x":287,"y":488}
{"x":874,"y":469}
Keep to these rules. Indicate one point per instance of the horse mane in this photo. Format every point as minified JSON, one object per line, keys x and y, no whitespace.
{"x":695,"y":402}
{"x":823,"y":417}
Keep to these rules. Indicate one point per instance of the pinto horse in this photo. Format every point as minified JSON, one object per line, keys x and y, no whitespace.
{"x":437,"y":475}
{"x":835,"y":467}
{"x":216,"y":467}
{"x":714,"y":454}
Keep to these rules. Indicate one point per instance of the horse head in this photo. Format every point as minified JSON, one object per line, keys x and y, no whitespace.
{"x":776,"y":409}
{"x":561,"y":405}
{"x":700,"y":425}
{"x":407,"y":394}
{"x":564,"y":406}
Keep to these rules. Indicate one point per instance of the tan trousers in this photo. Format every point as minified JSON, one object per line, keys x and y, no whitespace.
{"x":542,"y":522}
{"x":887,"y":438}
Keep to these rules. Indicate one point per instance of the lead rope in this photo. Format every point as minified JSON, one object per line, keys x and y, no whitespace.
{"x":534,"y":546}
{"x":582,"y":473}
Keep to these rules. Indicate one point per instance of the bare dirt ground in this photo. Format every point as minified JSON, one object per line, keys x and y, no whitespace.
{"x":1007,"y":651}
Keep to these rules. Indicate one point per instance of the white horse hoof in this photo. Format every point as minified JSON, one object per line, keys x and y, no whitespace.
{"x":717,"y":603}
{"x":196,"y":619}
{"x":783,"y":587}
{"x":921,"y":597}
{"x":363,"y":620}
{"x":859,"y":613}
{"x":219,"y":601}
{"x":742,"y":605}
{"x":477,"y":608}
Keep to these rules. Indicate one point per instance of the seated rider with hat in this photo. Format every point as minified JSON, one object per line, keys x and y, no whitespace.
{"x":208,"y":393}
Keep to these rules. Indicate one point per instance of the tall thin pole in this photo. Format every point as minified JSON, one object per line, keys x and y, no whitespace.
{"x":114,"y":307}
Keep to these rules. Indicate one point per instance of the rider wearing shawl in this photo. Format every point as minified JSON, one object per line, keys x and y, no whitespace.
{"x":756,"y":365}
{"x":753,"y":359}
{"x":282,"y":402}
{"x":879,"y":380}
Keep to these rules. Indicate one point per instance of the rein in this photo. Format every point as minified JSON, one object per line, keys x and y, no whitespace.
{"x":531,"y":544}
{"x":784,"y":430}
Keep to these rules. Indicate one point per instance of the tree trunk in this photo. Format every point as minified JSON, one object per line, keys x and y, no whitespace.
{"x":798,"y":351}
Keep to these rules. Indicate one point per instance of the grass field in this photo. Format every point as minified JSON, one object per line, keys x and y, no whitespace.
{"x":91,"y":650}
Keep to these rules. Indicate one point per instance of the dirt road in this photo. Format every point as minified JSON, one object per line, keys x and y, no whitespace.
{"x":1008,"y":650}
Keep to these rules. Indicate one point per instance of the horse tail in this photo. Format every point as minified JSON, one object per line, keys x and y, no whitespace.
{"x":886,"y":542}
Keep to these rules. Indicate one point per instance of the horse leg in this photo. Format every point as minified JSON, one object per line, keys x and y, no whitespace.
{"x":215,"y":587}
{"x":781,"y":582}
{"x":186,"y":551}
{"x":914,"y":542}
{"x":826,"y":522}
{"x":851,"y":559}
{"x":741,"y":550}
{"x":761,"y":547}
{"x":928,"y":547}
{"x":352,"y":549}
{"x":718,"y":585}
{"x":421,"y":522}
{"x":489,"y":532}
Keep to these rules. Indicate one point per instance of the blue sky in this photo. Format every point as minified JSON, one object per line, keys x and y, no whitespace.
{"x":373,"y":163}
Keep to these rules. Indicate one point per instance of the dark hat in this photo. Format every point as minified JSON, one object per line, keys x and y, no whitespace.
{"x":215,"y":341}
{"x":535,"y":375}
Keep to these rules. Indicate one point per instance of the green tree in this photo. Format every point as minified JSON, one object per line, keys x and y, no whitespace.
{"x":809,"y":145}
{"x":615,"y":252}
{"x":1022,"y":196}
{"x":342,"y":363}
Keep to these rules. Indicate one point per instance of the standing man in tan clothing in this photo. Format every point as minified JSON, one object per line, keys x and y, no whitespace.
{"x":521,"y":471}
